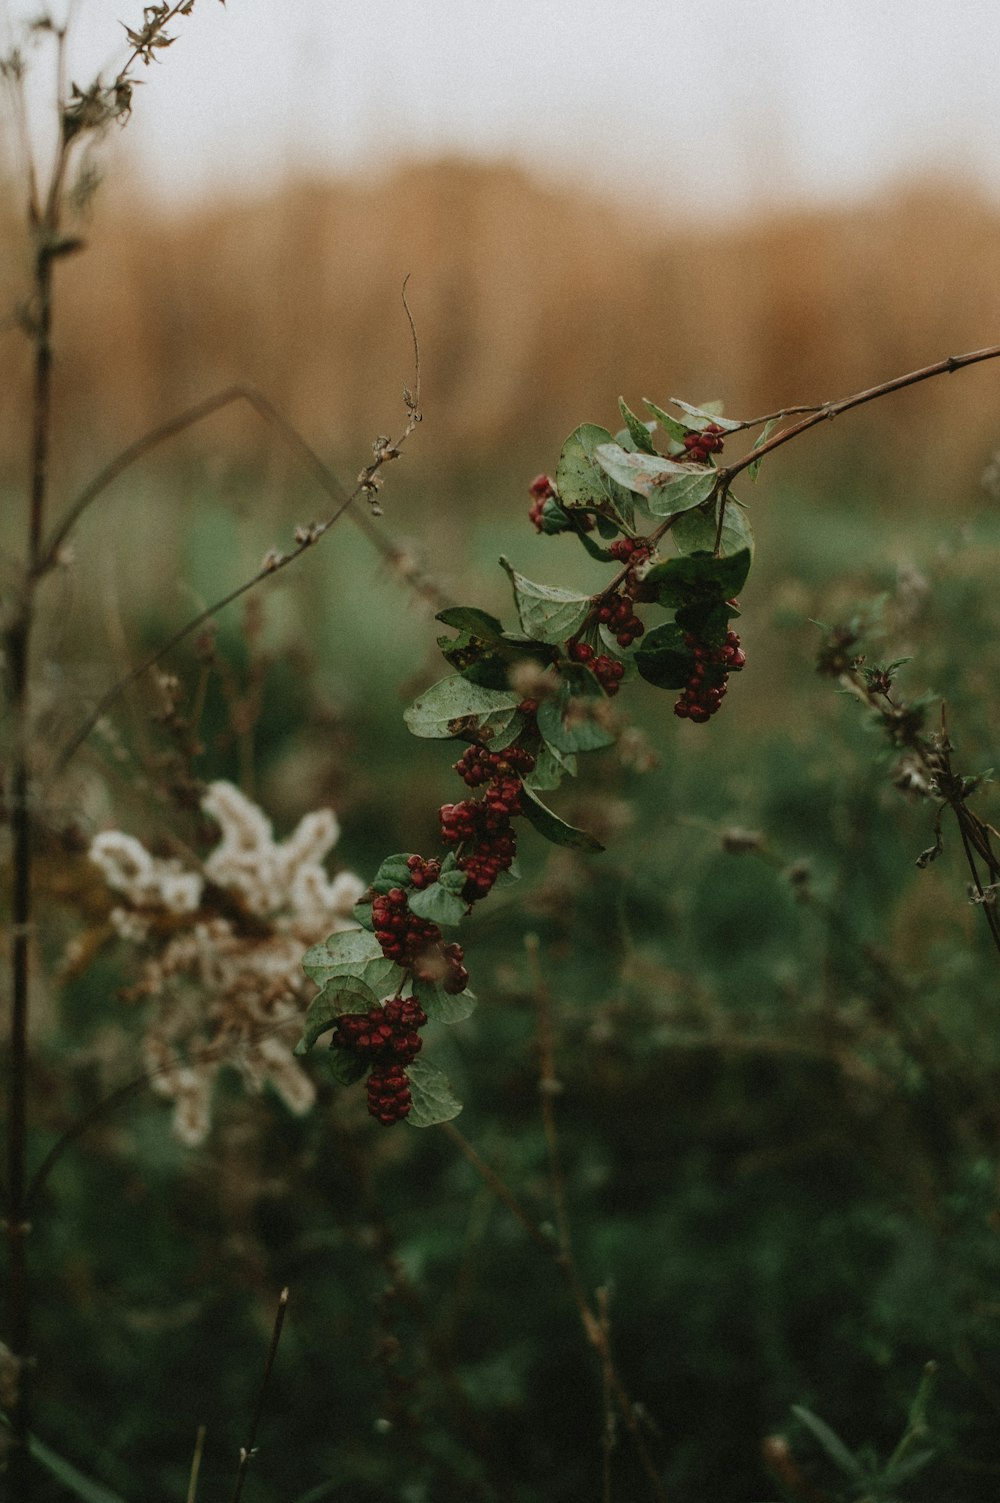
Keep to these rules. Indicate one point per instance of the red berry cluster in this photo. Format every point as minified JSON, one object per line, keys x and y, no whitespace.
{"x":423,"y":873}
{"x":415,"y":943}
{"x":617,"y":613}
{"x":700,"y":445}
{"x":608,"y":671}
{"x":629,"y":550}
{"x":484,"y":824}
{"x":706,"y":688}
{"x":477,"y":766}
{"x":389,"y":1097}
{"x":383,"y":1035}
{"x":387,"y":1039}
{"x":402,"y":935}
{"x":540,"y":490}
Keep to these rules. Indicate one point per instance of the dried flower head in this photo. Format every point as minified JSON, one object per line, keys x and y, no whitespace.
{"x":224,"y":949}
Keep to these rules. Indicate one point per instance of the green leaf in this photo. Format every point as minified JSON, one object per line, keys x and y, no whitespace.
{"x":907,"y":1466}
{"x":551,"y":766}
{"x":676,"y":432}
{"x":441,"y":1006}
{"x":437,"y":905}
{"x":352,"y":953}
{"x":393,"y":872}
{"x":471,"y":619}
{"x":830,"y":1441}
{"x":696,"y":531}
{"x":345,"y":1066}
{"x":363,"y":913}
{"x":502,"y":730}
{"x":69,"y":1476}
{"x":711,"y":412}
{"x":434,"y":1100}
{"x":663,"y":659}
{"x":641,"y":473}
{"x":762,"y":438}
{"x":340,"y":995}
{"x":682,"y":494}
{"x":668,"y":486}
{"x":567,"y":722}
{"x":638,"y":430}
{"x":454,"y":706}
{"x":452,"y":877}
{"x":582,"y":483}
{"x":694,"y":575}
{"x":555,"y":829}
{"x":594,"y":549}
{"x":545,"y":611}
{"x":479,"y":652}
{"x":707,"y":620}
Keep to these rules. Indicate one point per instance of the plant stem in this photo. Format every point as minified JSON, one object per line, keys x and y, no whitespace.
{"x":19,"y":635}
{"x":831,"y":409}
{"x":248,"y":1451}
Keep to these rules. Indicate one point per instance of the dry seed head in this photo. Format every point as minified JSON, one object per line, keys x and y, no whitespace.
{"x":532,"y":681}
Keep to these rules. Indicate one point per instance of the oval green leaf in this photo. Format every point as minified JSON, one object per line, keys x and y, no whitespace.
{"x":342,"y":994}
{"x":437,"y":905}
{"x":582,"y":483}
{"x":696,"y":531}
{"x":551,"y":766}
{"x":441,"y":1006}
{"x":355,"y":952}
{"x":568,"y":723}
{"x":668,"y":486}
{"x":345,"y":1066}
{"x":546,"y":612}
{"x":700,"y":417}
{"x":454,"y":705}
{"x":699,"y":576}
{"x":434,"y":1100}
{"x":639,"y":432}
{"x":663,"y":659}
{"x":555,"y":829}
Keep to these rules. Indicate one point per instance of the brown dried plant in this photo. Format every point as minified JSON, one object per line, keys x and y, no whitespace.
{"x":232,"y":928}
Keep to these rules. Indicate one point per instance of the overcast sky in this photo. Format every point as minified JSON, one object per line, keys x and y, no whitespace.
{"x":714,"y":106}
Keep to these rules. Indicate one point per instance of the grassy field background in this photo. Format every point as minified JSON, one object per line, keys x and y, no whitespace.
{"x":779,"y":1117}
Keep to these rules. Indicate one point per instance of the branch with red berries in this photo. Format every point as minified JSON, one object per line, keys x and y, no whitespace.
{"x":528,"y":702}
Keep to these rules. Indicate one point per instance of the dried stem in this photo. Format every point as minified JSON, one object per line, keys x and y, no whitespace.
{"x":593,"y":1318}
{"x":825,"y":410}
{"x":18,"y":652}
{"x":199,"y":1447}
{"x":500,"y":1189}
{"x":933,"y":755}
{"x":114,"y":1099}
{"x":273,"y":563}
{"x":249,"y":1451}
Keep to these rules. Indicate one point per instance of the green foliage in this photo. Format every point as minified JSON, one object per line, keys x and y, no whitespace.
{"x":584,"y":485}
{"x":546,"y":612}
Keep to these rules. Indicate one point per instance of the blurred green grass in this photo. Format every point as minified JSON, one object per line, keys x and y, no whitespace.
{"x":778,"y":1117}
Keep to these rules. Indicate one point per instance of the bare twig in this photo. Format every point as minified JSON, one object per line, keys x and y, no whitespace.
{"x":199,"y":1447}
{"x":593,"y":1320}
{"x":500,"y":1189}
{"x":273,"y":563}
{"x":249,"y":1451}
{"x":829,"y":410}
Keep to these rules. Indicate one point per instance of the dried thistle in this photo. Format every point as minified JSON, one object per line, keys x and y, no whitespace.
{"x":224,"y":947}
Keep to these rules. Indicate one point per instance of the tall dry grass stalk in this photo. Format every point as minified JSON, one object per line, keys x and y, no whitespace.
{"x":533,"y":305}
